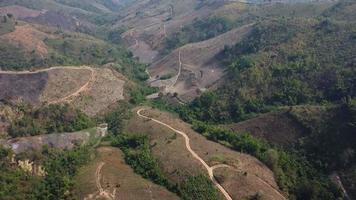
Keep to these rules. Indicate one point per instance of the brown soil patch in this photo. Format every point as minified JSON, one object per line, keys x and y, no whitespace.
{"x":106,"y":89}
{"x":63,"y":82}
{"x":116,"y":177}
{"x":276,"y":127}
{"x":199,"y":68}
{"x":92,"y":90}
{"x":239,"y":184}
{"x":29,"y":38}
{"x":176,"y":161}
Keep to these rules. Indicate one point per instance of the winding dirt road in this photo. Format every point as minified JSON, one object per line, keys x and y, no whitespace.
{"x":195,"y":155}
{"x":102,"y":192}
{"x":207,"y":167}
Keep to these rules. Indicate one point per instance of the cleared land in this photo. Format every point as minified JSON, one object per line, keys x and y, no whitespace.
{"x":156,"y":20}
{"x":277,"y":127}
{"x":178,"y":163}
{"x":90,"y":89}
{"x":108,"y":177}
{"x":194,"y":64}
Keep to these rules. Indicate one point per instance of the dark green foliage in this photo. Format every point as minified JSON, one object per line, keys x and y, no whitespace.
{"x":12,"y":57}
{"x":199,"y":187}
{"x":199,"y":30}
{"x":60,"y":167}
{"x":282,"y":62}
{"x":138,"y":155}
{"x":331,"y":146}
{"x":15,"y":183}
{"x":116,"y":118}
{"x":294,"y":174}
{"x":49,"y":119}
{"x":7,"y":24}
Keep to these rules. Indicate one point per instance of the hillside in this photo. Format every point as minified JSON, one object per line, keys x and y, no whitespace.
{"x":89,"y":89}
{"x":178,"y":99}
{"x":244,"y":171}
{"x":193,"y":68}
{"x":107,"y":176}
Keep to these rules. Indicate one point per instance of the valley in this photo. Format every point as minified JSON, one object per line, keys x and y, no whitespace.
{"x":168,"y":99}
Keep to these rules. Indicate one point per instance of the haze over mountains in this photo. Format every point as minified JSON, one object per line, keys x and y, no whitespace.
{"x":178,"y":99}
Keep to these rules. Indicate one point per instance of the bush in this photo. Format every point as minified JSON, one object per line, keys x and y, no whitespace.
{"x":50,"y":119}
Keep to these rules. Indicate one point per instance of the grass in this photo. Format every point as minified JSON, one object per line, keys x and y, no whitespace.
{"x":117,"y":175}
{"x":7,"y":25}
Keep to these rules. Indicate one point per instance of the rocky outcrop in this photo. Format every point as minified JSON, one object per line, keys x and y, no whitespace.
{"x":56,"y":140}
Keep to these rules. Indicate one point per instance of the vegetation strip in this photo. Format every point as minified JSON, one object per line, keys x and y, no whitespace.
{"x":195,"y":155}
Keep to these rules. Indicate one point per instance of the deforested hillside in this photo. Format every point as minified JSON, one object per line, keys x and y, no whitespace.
{"x":177,"y":99}
{"x":191,"y":69}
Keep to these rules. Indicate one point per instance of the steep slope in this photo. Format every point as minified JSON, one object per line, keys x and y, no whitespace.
{"x":193,"y":68}
{"x":155,"y":20}
{"x":92,"y":90}
{"x":178,"y":162}
{"x":109,"y":177}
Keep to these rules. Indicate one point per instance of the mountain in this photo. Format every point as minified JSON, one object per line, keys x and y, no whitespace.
{"x":177,"y":99}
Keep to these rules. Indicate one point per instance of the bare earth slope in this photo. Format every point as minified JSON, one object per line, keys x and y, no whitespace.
{"x":90,"y":89}
{"x":178,"y":162}
{"x":193,"y":66}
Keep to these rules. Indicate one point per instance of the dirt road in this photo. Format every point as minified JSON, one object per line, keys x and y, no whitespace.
{"x":101,"y":193}
{"x":195,"y":155}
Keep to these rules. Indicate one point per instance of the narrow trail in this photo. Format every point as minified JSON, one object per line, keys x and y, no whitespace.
{"x":195,"y":155}
{"x":102,"y":192}
{"x":76,"y":93}
{"x":98,"y":177}
{"x":66,"y":98}
{"x":179,"y":72}
{"x":42,"y":70}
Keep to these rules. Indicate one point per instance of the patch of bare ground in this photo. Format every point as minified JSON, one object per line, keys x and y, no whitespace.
{"x":28,"y":38}
{"x":109,"y":177}
{"x":177,"y":162}
{"x":104,"y":90}
{"x":239,"y":184}
{"x":276,"y":127}
{"x":92,"y":90}
{"x":64,"y":82}
{"x":195,"y":65}
{"x":26,"y":87}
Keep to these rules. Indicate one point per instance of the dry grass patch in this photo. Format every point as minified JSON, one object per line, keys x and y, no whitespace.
{"x":29,"y":38}
{"x":117,"y":176}
{"x":170,"y":150}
